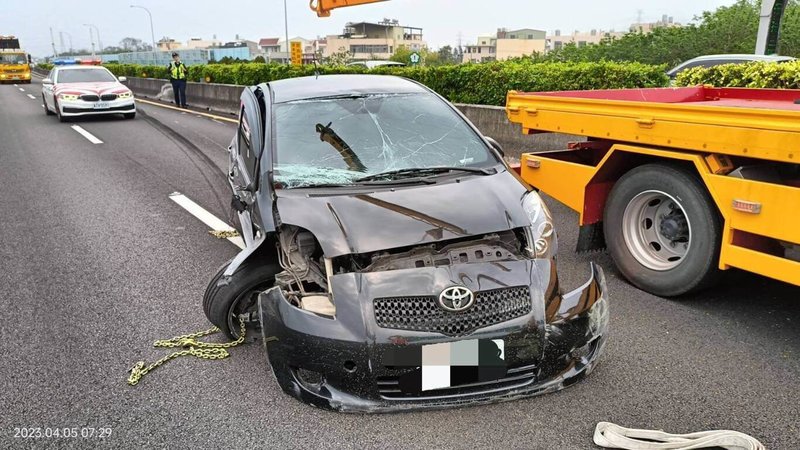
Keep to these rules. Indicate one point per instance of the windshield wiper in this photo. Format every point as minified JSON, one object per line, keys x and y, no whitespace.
{"x":423,"y":171}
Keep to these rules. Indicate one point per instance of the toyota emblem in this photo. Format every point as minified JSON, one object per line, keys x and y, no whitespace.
{"x":456,"y":299}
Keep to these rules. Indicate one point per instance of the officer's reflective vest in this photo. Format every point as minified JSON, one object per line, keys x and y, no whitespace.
{"x":177,"y":71}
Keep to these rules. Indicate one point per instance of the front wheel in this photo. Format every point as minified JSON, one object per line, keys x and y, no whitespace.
{"x":61,"y":118}
{"x":46,"y":108}
{"x":663,"y":230}
{"x":225,"y":300}
{"x":129,"y":115}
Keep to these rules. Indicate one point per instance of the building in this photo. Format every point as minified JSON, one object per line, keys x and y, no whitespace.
{"x":557,"y":40}
{"x":166,"y":44}
{"x":197,"y":43}
{"x":275,"y":49}
{"x":368,"y":41}
{"x":241,"y":49}
{"x":506,"y":44}
{"x":648,"y":27}
{"x":190,"y":57}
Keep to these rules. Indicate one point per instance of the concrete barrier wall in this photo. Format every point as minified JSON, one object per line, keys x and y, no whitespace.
{"x":491,"y":120}
{"x":221,"y":98}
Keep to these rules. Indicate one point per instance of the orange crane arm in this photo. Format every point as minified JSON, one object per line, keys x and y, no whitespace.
{"x":324,"y":7}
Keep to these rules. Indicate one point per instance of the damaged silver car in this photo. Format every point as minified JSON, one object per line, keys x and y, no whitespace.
{"x":393,"y":261}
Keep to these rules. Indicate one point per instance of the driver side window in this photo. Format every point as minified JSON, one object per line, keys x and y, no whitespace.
{"x":245,"y":145}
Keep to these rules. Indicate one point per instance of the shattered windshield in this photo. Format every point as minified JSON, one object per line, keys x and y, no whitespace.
{"x":340,"y":140}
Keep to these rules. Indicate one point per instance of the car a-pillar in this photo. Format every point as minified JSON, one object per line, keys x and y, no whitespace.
{"x":659,"y":222}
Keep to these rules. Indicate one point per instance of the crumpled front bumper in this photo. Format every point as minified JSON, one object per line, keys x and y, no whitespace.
{"x":337,"y":363}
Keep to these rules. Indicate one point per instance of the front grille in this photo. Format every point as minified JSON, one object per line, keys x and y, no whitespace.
{"x":425,"y":314}
{"x":90,"y":97}
{"x":108,"y":97}
{"x":389,"y":386}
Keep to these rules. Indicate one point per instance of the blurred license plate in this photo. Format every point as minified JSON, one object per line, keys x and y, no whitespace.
{"x":101,"y":105}
{"x":449,"y":364}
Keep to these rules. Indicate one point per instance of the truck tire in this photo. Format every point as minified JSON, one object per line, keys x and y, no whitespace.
{"x":663,"y":230}
{"x":223,"y":302}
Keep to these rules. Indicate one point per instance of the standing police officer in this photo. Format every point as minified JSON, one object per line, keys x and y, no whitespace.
{"x":177,"y":76}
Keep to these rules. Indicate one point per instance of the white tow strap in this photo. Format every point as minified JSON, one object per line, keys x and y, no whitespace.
{"x":610,"y":435}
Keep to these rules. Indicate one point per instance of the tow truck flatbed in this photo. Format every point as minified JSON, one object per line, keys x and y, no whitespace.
{"x":756,"y":123}
{"x":737,"y":149}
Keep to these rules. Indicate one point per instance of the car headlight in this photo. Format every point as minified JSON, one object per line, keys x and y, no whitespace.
{"x":68,"y":97}
{"x":542,"y":241}
{"x":125,"y":95}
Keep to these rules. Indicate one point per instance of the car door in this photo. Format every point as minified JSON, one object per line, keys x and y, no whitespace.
{"x":47,"y":91}
{"x":245,"y":157}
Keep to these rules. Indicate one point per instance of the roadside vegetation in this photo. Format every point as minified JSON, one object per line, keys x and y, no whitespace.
{"x":728,"y":29}
{"x":485,"y":84}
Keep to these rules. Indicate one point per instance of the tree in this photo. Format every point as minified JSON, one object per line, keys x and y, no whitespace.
{"x":130,"y":44}
{"x":340,"y":58}
{"x":728,"y":29}
{"x":447,"y":55}
{"x":402,"y":54}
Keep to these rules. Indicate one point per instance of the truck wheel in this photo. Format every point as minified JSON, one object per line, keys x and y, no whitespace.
{"x":663,"y":230}
{"x":223,"y":302}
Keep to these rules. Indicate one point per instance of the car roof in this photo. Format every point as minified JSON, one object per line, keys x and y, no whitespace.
{"x":78,"y":66}
{"x":747,"y":56}
{"x":307,"y":88}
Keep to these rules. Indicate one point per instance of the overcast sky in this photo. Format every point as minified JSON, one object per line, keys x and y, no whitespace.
{"x":441,"y":20}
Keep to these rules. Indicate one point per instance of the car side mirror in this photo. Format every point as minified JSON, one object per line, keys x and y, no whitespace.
{"x":495,"y":145}
{"x":123,"y":79}
{"x":47,"y":81}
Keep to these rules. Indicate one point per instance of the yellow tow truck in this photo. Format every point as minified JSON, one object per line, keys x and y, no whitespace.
{"x":677,"y":183}
{"x":14,"y":63}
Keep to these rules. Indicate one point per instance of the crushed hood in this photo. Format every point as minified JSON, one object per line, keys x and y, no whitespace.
{"x":380,"y":219}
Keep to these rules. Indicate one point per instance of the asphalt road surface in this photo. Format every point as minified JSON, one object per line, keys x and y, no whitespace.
{"x":96,"y":262}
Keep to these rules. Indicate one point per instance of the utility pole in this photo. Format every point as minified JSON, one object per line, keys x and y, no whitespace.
{"x":152,"y":34}
{"x":99,"y":42}
{"x":91,"y":38}
{"x":53,"y":43}
{"x":61,"y":41}
{"x":286,"y":29}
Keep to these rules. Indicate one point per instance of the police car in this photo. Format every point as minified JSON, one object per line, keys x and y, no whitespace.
{"x":74,"y":88}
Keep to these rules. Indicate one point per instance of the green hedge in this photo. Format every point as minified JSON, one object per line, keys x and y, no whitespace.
{"x":485,"y":84}
{"x":44,"y":66}
{"x":753,"y":75}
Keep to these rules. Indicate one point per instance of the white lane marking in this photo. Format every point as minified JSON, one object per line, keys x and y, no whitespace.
{"x":22,"y":90}
{"x":204,"y":216}
{"x":87,"y":135}
{"x":15,"y":85}
{"x":31,"y":97}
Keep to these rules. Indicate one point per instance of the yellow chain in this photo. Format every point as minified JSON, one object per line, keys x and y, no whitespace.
{"x":198,"y":349}
{"x":224,"y":234}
